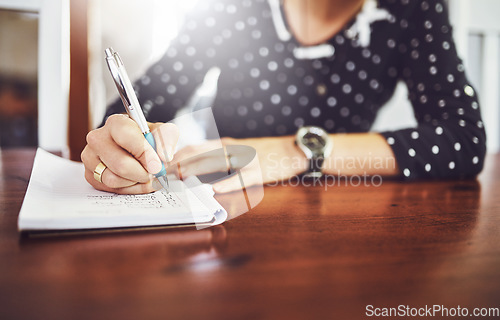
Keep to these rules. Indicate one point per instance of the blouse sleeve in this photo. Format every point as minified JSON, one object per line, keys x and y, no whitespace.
{"x":168,"y":84}
{"x":449,"y":140}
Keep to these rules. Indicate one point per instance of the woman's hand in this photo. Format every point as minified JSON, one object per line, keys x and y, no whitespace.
{"x":130,"y":160}
{"x":277,"y":159}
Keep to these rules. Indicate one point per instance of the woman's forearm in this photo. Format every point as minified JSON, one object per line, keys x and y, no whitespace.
{"x":360,"y":153}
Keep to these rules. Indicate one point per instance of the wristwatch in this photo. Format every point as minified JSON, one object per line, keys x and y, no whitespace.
{"x":316,"y":145}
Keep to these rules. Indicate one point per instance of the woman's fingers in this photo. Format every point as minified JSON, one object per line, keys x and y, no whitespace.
{"x":108,"y":177}
{"x":137,"y":188}
{"x":111,"y":182}
{"x":127,"y":135}
{"x":116,"y":158}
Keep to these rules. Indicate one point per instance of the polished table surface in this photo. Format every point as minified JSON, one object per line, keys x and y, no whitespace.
{"x":302,"y":253}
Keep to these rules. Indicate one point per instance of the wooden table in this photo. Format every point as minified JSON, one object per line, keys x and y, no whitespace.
{"x":303,"y":253}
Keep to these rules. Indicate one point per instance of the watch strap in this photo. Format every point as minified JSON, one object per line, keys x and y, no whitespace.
{"x":315,"y":167}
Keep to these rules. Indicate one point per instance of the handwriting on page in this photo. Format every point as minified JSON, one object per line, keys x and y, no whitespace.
{"x":155,"y":200}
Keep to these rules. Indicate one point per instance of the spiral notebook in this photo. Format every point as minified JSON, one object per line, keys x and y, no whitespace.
{"x":58,"y":198}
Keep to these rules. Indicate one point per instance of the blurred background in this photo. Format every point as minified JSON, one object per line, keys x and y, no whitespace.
{"x":141,"y":31}
{"x":18,"y":78}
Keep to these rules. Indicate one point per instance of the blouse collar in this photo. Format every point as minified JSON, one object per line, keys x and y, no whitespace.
{"x":360,"y":29}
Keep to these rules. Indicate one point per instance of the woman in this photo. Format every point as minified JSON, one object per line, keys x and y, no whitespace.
{"x":330,"y":64}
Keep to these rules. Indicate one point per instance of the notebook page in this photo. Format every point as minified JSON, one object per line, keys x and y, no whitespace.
{"x":58,"y":197}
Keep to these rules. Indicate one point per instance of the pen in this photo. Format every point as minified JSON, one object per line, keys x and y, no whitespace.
{"x":132,"y":106}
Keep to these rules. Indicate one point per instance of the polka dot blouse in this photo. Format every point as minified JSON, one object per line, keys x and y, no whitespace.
{"x":264,"y":89}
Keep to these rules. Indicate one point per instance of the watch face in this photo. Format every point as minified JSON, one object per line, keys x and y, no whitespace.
{"x":314,"y":141}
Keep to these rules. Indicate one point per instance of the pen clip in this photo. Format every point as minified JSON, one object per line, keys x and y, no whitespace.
{"x":113,"y":60}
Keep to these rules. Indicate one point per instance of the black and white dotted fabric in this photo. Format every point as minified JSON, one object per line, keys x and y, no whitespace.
{"x":264,"y":90}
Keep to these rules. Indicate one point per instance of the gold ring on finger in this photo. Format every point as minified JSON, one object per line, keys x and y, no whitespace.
{"x":99,"y":170}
